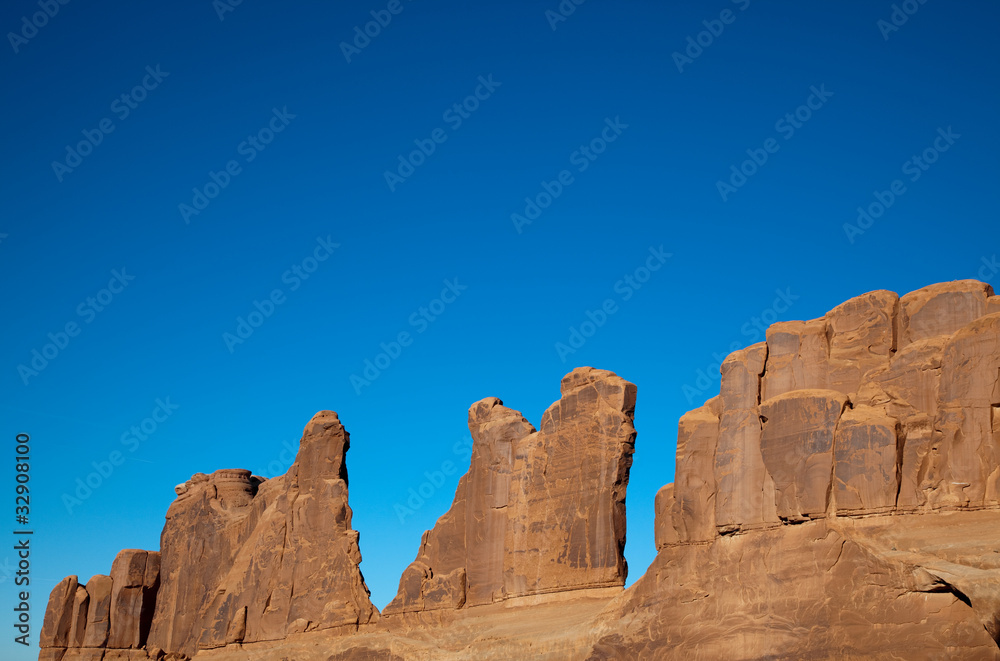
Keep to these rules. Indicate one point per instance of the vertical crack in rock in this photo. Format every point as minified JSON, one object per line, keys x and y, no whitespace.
{"x":884,"y":405}
{"x":739,"y":467}
{"x":561,"y":525}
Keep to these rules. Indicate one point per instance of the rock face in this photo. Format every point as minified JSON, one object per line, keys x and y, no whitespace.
{"x":135,"y":577}
{"x":112,"y":612}
{"x":61,"y":615}
{"x":744,"y":497}
{"x":242,"y":560}
{"x":838,"y":499}
{"x":301,"y":559}
{"x":884,"y":402}
{"x":697,"y":437}
{"x":539,"y":511}
{"x":98,"y":625}
{"x":796,"y":444}
{"x":884,"y":405}
{"x":810,"y":591}
{"x":205,"y":529}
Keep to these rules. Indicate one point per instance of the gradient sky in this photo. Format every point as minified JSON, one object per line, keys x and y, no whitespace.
{"x":885,"y":96}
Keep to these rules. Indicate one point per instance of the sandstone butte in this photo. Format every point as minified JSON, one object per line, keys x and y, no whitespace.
{"x":839,"y":499}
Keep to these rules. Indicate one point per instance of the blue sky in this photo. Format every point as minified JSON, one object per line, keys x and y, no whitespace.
{"x":412,"y":170}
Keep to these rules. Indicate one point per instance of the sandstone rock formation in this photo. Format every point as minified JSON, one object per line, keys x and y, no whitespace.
{"x":301,"y":560}
{"x":112,"y":612}
{"x":810,"y":591}
{"x":206,"y":527}
{"x":838,"y":499}
{"x":886,"y":405}
{"x":538,"y":511}
{"x":135,"y":578}
{"x":242,"y":559}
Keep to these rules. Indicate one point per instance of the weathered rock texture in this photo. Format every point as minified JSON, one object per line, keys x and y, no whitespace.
{"x":206,"y":527}
{"x":112,"y":612}
{"x":242,"y":559}
{"x":817,"y":590}
{"x":883,"y":403}
{"x":539,"y":511}
{"x":886,"y":405}
{"x":301,"y":560}
{"x":838,"y":499}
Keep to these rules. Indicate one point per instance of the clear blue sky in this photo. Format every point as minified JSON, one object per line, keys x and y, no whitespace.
{"x":630,"y":140}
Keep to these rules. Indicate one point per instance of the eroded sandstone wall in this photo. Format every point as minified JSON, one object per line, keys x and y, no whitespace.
{"x":242,"y":559}
{"x":539,"y":511}
{"x":299,"y":567}
{"x":837,"y":499}
{"x":884,"y":404}
{"x":887,"y":405}
{"x":109,"y":612}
